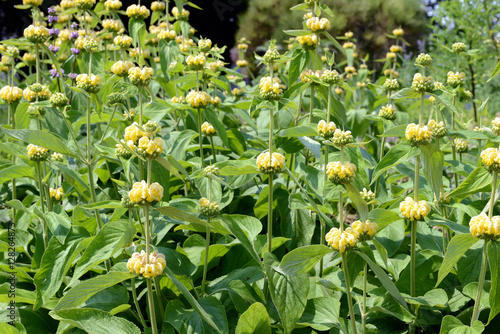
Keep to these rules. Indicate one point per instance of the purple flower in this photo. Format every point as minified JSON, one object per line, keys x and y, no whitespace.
{"x":54,"y":48}
{"x":54,"y":73}
{"x":54,"y":31}
{"x":52,"y":19}
{"x":75,"y":51}
{"x":74,"y":25}
{"x":73,"y":35}
{"x":72,"y":76}
{"x":51,"y":10}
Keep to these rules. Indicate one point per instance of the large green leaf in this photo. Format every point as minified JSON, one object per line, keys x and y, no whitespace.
{"x":384,"y":279}
{"x":178,"y":214}
{"x":16,"y":171}
{"x":477,"y":181}
{"x":382,"y":217}
{"x":214,"y":119}
{"x":299,"y":131}
{"x":357,"y":200}
{"x":245,"y":229}
{"x":254,"y":320}
{"x":397,"y":154}
{"x":40,"y":138}
{"x":457,"y":247}
{"x":494,"y":261}
{"x":433,"y":161}
{"x":111,"y":238}
{"x":301,"y":260}
{"x":453,"y":325}
{"x":137,"y":29}
{"x":289,"y":293}
{"x":59,"y":224}
{"x":56,"y":261}
{"x":82,"y":292}
{"x":321,"y":313}
{"x":94,"y":321}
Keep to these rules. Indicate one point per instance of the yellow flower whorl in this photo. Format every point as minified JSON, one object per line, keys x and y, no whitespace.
{"x":414,"y":210}
{"x":366,"y":229}
{"x":340,"y":173}
{"x":137,"y":264}
{"x":484,"y":228}
{"x":342,"y":241}
{"x":418,"y":135}
{"x":268,"y":165}
{"x":142,"y":195}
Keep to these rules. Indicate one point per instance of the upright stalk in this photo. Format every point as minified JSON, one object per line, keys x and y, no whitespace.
{"x":148,"y":242}
{"x":341,"y":196}
{"x":201,"y":138}
{"x":348,"y":287}
{"x":363,"y":312}
{"x":12,"y":120}
{"x":41,"y":190}
{"x":207,"y":242}
{"x":136,"y":303}
{"x":90,"y":168}
{"x":482,"y":275}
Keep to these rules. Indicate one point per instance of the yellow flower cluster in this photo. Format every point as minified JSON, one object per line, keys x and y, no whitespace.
{"x":490,"y":158}
{"x":37,"y":153}
{"x":56,"y":157}
{"x":198,"y":99}
{"x":84,"y":4}
{"x":241,"y":63}
{"x":495,"y":126}
{"x":207,"y":208}
{"x":458,"y":47}
{"x":390,"y":71}
{"x":390,"y":55}
{"x":398,"y":32}
{"x":342,"y":138}
{"x":167,"y":34}
{"x":367,"y":195}
{"x":123,"y":41}
{"x":349,"y":34}
{"x":120,"y":68}
{"x":304,"y":75}
{"x":396,"y":48}
{"x":210,"y":171}
{"x":271,"y":90}
{"x":215,"y":101}
{"x":366,"y":229}
{"x":143,"y":195}
{"x":91,"y":84}
{"x":122,"y":152}
{"x":150,"y":148}
{"x":183,"y":15}
{"x":423,"y":59}
{"x":418,"y":135}
{"x":29,"y":57}
{"x":36,"y":34}
{"x":315,"y":24}
{"x":388,"y":112}
{"x":36,"y":3}
{"x":133,"y":133}
{"x":67,"y":4}
{"x":326,"y":130}
{"x":113,"y":5}
{"x":215,"y":65}
{"x":140,"y":77}
{"x":207,"y":129}
{"x":461,"y":145}
{"x":268,"y":165}
{"x":455,"y":79}
{"x":137,"y":12}
{"x":56,"y":194}
{"x":330,"y":77}
{"x":112,"y":25}
{"x":341,"y":173}
{"x":30,"y":95}
{"x":422,"y":84}
{"x":348,"y":45}
{"x":483,"y":227}
{"x":157,"y":6}
{"x":438,"y":129}
{"x":204,"y":44}
{"x":138,"y":264}
{"x":308,"y":41}
{"x":177,"y":99}
{"x":237,"y":91}
{"x":11,"y":94}
{"x":197,"y":62}
{"x":342,"y":241}
{"x":414,"y":210}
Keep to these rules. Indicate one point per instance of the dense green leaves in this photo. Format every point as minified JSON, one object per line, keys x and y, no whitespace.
{"x":456,"y":248}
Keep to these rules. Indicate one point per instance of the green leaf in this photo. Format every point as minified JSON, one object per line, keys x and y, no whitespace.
{"x":75,"y":179}
{"x":137,"y":29}
{"x":165,"y":163}
{"x":382,"y":217}
{"x":477,"y":181}
{"x":457,"y":247}
{"x":40,"y":138}
{"x":16,"y":171}
{"x":254,"y":320}
{"x":494,"y":262}
{"x":59,"y":224}
{"x":495,"y":72}
{"x":214,"y":119}
{"x":397,"y":154}
{"x":297,"y":32}
{"x":357,"y":200}
{"x":384,"y":279}
{"x":178,"y":214}
{"x":298,"y":131}
{"x":433,"y":161}
{"x":82,"y":292}
{"x":245,"y":229}
{"x":301,"y":260}
{"x":321,"y":313}
{"x":110,"y":239}
{"x":395,"y":131}
{"x":56,"y":261}
{"x":94,"y":321}
{"x":289,"y":293}
{"x":453,"y":325}
{"x":192,"y":301}
{"x":109,"y":204}
{"x":405,"y":93}
{"x":334,"y":42}
{"x":8,"y":329}
{"x":237,"y":167}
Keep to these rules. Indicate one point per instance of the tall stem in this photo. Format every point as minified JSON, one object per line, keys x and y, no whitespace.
{"x":207,"y":242}
{"x":136,"y":303}
{"x":41,"y":190}
{"x":348,"y":287}
{"x":363,"y":313}
{"x":493,"y":194}
{"x":484,"y":265}
{"x":90,"y":169}
{"x":213,"y":148}
{"x":200,"y":138}
{"x":12,"y":120}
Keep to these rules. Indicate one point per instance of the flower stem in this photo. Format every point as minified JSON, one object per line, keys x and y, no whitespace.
{"x":270,"y":214}
{"x":200,"y":138}
{"x":90,"y":169}
{"x":363,"y":313}
{"x":41,"y":190}
{"x":136,"y":303}
{"x":152,"y":314}
{"x":12,"y":120}
{"x":493,"y":194}
{"x":213,"y":149}
{"x":205,"y":263}
{"x":348,"y":287}
{"x":484,"y":265}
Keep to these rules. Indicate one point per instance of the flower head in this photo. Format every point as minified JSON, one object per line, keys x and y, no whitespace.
{"x":326,"y":130}
{"x":138,"y":264}
{"x":140,"y":77}
{"x":341,"y":173}
{"x":138,"y":12}
{"x":208,"y":129}
{"x":388,"y":112}
{"x":268,"y":165}
{"x":483,"y":227}
{"x":414,"y":210}
{"x":90,"y":83}
{"x":461,"y":145}
{"x":143,"y":195}
{"x":198,"y":99}
{"x":418,"y":135}
{"x":366,"y":229}
{"x":367,"y":195}
{"x":342,"y":138}
{"x":422,"y":84}
{"x":11,"y":94}
{"x":315,"y":24}
{"x":342,"y":241}
{"x":490,"y":159}
{"x":270,"y":90}
{"x":207,"y":208}
{"x":37,"y":153}
{"x":56,"y":194}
